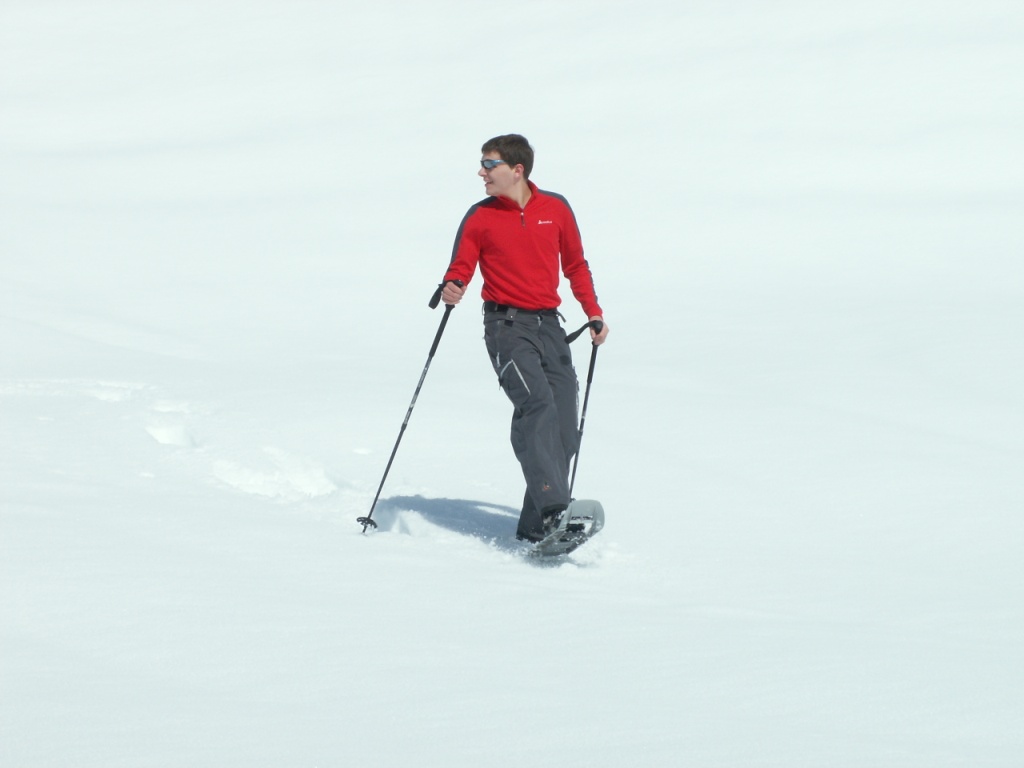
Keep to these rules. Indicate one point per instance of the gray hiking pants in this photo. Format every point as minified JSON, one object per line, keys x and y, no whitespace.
{"x":534,"y":366}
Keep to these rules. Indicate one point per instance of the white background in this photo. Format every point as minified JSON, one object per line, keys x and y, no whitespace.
{"x":220,"y":224}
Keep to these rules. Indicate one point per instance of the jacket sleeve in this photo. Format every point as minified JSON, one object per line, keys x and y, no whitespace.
{"x":575,"y":266}
{"x":465,"y":252}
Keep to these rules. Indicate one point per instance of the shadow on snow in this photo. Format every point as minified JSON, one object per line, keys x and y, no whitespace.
{"x":493,"y":523}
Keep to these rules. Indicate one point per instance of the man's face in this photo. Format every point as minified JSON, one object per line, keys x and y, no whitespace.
{"x":500,"y":179}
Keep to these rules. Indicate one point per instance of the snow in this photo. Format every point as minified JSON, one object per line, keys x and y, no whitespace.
{"x":221,"y":224}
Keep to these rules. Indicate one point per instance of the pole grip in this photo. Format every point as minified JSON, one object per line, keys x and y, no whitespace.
{"x":436,"y":298}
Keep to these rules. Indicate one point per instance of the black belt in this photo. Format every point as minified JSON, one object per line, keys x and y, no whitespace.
{"x":491,"y":306}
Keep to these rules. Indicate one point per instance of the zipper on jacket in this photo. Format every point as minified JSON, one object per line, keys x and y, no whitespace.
{"x":522,"y":217}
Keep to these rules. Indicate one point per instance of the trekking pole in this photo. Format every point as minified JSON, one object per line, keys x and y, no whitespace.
{"x":597,"y":325}
{"x":368,"y":521}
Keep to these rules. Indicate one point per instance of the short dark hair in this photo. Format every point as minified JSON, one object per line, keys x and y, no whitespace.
{"x":514,"y":150}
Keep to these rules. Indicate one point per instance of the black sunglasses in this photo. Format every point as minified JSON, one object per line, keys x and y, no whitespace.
{"x":488,"y":163}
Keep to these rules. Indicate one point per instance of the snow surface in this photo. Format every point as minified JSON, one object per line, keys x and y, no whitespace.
{"x":220,"y":224}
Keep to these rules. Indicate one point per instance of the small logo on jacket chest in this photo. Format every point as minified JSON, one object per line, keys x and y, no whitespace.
{"x":545,"y":221}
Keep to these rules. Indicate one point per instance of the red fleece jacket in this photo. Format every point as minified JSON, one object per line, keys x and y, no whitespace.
{"x":518,"y":251}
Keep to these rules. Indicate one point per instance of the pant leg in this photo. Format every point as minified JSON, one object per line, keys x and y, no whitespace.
{"x":535,"y":372}
{"x":561,"y":376}
{"x":531,"y":520}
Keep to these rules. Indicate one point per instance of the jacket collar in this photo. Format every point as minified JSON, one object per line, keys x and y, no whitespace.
{"x":507,"y":202}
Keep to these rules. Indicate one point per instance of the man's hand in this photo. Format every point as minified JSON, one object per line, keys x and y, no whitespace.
{"x":598,"y":338}
{"x":452,"y":293}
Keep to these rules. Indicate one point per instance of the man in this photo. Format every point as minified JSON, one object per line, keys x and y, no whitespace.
{"x":520,"y":236}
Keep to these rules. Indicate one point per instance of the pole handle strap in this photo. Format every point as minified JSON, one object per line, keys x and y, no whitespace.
{"x":597,"y":325}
